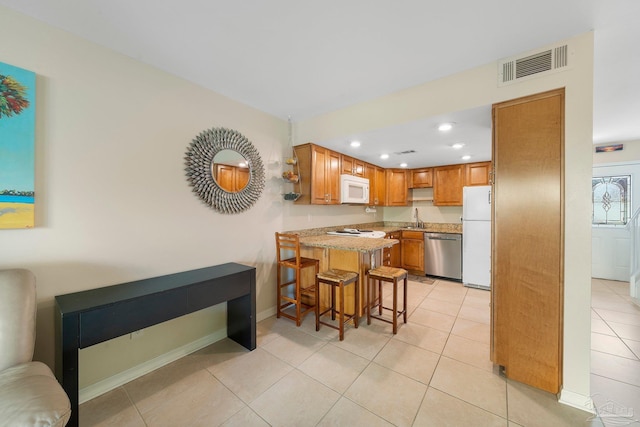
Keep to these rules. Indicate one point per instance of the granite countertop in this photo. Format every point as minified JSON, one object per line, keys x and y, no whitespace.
{"x":348,"y":243}
{"x":387,"y":227}
{"x":318,"y":237}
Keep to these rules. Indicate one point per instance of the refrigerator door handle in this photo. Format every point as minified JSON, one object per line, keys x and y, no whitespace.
{"x":489,"y":197}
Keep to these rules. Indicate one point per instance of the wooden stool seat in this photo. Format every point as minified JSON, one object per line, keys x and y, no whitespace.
{"x":336,"y":275}
{"x":392,"y":275}
{"x":389,"y":273}
{"x":337,"y":279}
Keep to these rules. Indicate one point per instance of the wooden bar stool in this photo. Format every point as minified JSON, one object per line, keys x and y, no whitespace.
{"x":391,"y":275}
{"x":290,"y":290}
{"x":337,"y":279}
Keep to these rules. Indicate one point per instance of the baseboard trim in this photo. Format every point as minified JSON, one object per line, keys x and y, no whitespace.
{"x":94,"y":390}
{"x":266,"y":313}
{"x":577,"y":400}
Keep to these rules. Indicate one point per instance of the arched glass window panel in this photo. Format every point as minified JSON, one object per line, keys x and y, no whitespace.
{"x":611,"y":199}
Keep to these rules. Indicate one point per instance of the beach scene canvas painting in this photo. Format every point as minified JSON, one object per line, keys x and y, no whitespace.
{"x":17,"y":147}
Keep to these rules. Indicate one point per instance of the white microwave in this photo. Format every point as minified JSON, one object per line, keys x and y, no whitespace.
{"x":354,"y":190}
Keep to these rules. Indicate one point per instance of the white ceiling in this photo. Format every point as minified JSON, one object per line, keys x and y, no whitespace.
{"x":300,"y":58}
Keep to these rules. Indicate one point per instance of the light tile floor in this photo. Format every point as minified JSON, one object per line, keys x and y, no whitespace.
{"x":434,"y":372}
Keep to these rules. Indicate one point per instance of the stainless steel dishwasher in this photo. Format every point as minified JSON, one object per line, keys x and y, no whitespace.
{"x":443,"y":255}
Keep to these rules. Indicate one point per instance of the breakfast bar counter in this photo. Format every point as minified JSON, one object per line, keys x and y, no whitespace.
{"x":357,"y":244}
{"x":357,"y":254}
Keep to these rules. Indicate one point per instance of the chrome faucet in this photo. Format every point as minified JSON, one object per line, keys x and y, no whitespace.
{"x":419,"y":224}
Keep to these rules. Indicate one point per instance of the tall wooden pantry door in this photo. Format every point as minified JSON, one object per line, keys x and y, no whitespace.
{"x":528,"y":238}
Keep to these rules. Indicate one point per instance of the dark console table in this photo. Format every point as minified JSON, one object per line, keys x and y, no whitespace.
{"x":93,"y":316}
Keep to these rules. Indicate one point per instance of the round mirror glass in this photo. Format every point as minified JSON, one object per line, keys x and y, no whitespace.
{"x":230,"y":170}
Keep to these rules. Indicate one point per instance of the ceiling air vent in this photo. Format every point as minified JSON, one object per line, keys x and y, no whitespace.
{"x":515,"y":69}
{"x":405,"y":152}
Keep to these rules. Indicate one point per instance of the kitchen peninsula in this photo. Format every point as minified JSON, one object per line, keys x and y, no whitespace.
{"x":357,"y":254}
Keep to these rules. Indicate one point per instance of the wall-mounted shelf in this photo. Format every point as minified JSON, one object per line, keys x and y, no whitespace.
{"x":292,"y":197}
{"x":290,"y":176}
{"x":421,"y":199}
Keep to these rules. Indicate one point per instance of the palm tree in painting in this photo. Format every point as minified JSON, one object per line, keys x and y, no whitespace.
{"x":12,"y":97}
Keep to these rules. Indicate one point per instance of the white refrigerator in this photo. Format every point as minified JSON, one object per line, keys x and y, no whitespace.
{"x":476,"y":236}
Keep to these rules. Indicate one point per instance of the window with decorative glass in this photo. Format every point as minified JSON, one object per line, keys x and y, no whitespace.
{"x":610,"y":197}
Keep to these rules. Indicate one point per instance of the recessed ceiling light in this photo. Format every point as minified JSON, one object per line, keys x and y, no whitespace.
{"x":467,"y":157}
{"x":242,"y":164}
{"x":444,"y":127}
{"x":384,"y":156}
{"x":355,"y":144}
{"x":457,"y":146}
{"x":403,"y":165}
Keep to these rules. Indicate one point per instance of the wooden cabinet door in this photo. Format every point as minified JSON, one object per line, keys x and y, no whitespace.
{"x":380,"y":193}
{"x":421,"y":178}
{"x":370,"y":174}
{"x":396,"y":180}
{"x":242,"y":178}
{"x":325,"y":176}
{"x":527,"y":242}
{"x":447,"y":185}
{"x":352,"y":166}
{"x":391,"y":256}
{"x":332,"y":175}
{"x":225,"y":177}
{"x":377,"y":184}
{"x":347,"y":165}
{"x":413,"y":251}
{"x":478,"y":173}
{"x":319,"y":191}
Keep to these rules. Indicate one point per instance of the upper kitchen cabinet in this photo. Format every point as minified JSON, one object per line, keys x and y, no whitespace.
{"x":396,"y":183}
{"x":319,"y":182}
{"x":478,"y":173}
{"x":352,"y":166}
{"x":377,"y":184}
{"x":421,"y":178}
{"x":447,"y":185}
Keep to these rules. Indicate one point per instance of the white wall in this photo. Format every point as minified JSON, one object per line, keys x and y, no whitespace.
{"x":478,"y":87}
{"x":611,"y":246}
{"x":112,"y":200}
{"x":427,"y":212}
{"x":113,"y":205}
{"x":629,"y":153}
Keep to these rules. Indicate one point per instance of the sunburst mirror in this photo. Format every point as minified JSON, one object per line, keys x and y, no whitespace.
{"x":225,"y":170}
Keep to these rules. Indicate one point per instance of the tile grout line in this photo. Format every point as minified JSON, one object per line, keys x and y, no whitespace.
{"x":134,"y":405}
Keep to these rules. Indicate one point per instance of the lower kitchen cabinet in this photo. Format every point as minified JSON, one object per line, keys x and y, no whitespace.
{"x":413,"y":251}
{"x":391,"y":256}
